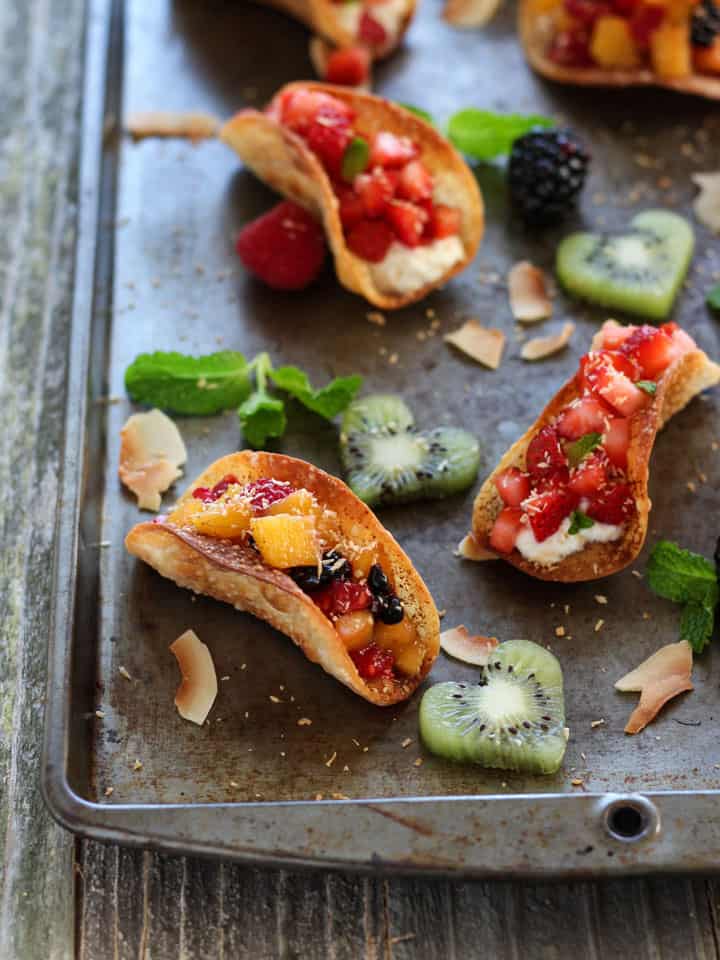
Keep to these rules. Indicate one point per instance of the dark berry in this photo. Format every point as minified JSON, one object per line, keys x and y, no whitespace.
{"x":334,"y":567}
{"x":378,"y":582}
{"x":546,"y":172}
{"x":391,"y":610}
{"x":705,"y":24}
{"x":337,"y":567}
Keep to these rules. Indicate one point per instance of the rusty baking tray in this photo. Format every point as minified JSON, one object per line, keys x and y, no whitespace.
{"x":156,"y":270}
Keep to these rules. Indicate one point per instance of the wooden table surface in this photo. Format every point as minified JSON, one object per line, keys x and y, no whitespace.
{"x":61,"y":898}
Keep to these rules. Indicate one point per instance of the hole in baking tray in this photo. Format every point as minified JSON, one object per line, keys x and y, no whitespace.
{"x":629,"y":820}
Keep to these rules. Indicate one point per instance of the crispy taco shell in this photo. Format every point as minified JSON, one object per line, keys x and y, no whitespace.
{"x":536,"y":32}
{"x":234,"y":573}
{"x":683,"y":380}
{"x":283,"y":160}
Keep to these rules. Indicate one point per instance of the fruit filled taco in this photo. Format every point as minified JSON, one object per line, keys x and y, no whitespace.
{"x":669,"y":43}
{"x":569,"y":500}
{"x":281,"y":539}
{"x":401,"y":210}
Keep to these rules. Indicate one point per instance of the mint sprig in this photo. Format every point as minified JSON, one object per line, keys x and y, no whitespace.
{"x":262,"y":416}
{"x":579,"y":449}
{"x":580,"y":521}
{"x":686,"y":578}
{"x":484,"y":135}
{"x":198,"y":386}
{"x":649,"y":386}
{"x":326,"y":402}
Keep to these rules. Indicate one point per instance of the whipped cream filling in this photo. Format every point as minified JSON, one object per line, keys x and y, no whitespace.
{"x":405,"y":269}
{"x":562,"y":544}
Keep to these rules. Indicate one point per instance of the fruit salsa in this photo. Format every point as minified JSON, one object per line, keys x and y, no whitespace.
{"x":293,"y":533}
{"x":388,"y":201}
{"x":673,"y":38}
{"x":373,"y":23}
{"x":574,"y":488}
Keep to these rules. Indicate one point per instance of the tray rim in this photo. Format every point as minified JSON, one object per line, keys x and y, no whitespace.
{"x":559,"y":835}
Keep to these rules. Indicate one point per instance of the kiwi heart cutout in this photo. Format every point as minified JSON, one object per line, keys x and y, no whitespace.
{"x":639,"y":272}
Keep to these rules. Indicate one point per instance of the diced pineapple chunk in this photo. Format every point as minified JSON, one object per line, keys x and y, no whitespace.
{"x":670,"y":51}
{"x":299,"y":502}
{"x":394,"y":636}
{"x":355,"y":629}
{"x":286,"y":541}
{"x":410,"y":659}
{"x":612,"y":44}
{"x":363,"y":560}
{"x":224,"y":519}
{"x":184,"y":511}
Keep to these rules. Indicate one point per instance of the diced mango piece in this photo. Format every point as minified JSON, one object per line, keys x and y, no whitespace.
{"x":409,"y":660}
{"x":539,"y":7}
{"x":286,"y":541}
{"x":670,"y":51}
{"x":707,"y":59}
{"x":183,"y":512}
{"x":355,"y":629}
{"x":612,"y":44}
{"x":394,"y":636}
{"x":678,"y":11}
{"x":362,"y":562}
{"x":299,"y":502}
{"x":223,"y":519}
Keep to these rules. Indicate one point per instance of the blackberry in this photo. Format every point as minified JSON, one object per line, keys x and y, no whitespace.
{"x":334,"y":567}
{"x":390,"y":609}
{"x":705,"y":24}
{"x":378,"y":582}
{"x":546,"y":172}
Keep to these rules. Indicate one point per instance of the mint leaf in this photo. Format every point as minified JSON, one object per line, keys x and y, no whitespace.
{"x":713,"y":298}
{"x":191,"y":385}
{"x":649,"y":386}
{"x":580,"y":522}
{"x":484,"y":135}
{"x":328,"y":401}
{"x":696,"y":625}
{"x":579,"y":449}
{"x":681,"y":575}
{"x":419,"y":112}
{"x":261,"y":417}
{"x":354,"y":159}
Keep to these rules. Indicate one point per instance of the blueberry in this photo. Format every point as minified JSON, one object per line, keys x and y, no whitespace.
{"x":307,"y":578}
{"x":378,"y":582}
{"x":391,"y":610}
{"x":336,"y":567}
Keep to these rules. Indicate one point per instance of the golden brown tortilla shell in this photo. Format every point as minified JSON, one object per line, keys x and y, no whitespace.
{"x":535,"y":33}
{"x":283,"y":160}
{"x":687,"y":377}
{"x":234,"y":573}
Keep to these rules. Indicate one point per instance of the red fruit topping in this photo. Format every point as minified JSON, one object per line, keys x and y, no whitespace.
{"x":614,"y":334}
{"x":348,"y":67}
{"x":600,"y":373}
{"x":571,"y":48}
{"x":589,"y":476}
{"x":644,"y":22}
{"x":513,"y":486}
{"x":670,"y":327}
{"x":506,"y":529}
{"x":373,"y":662}
{"x":264,"y":493}
{"x":545,"y":459}
{"x":612,"y":504}
{"x":415,"y":182}
{"x":444,"y":222}
{"x":302,"y":107}
{"x":616,"y":442}
{"x":586,"y":415}
{"x":350,"y":205}
{"x":387,"y":150}
{"x":587,"y":11}
{"x":375,"y":189}
{"x":328,"y":140}
{"x":285,"y":247}
{"x":341,"y":597}
{"x":547,"y":510}
{"x":209,"y":494}
{"x":407,"y":220}
{"x":652,"y":349}
{"x":624,"y":7}
{"x":370,"y":240}
{"x":371,"y":32}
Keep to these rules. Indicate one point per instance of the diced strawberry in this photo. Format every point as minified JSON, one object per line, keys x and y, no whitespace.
{"x":506,"y":529}
{"x":587,"y":11}
{"x":301,"y":107}
{"x":547,"y":509}
{"x":614,"y":333}
{"x":614,"y":504}
{"x":349,"y":66}
{"x":644,"y":21}
{"x":444,"y":222}
{"x":586,"y":415}
{"x":599,"y":373}
{"x":652,"y":349}
{"x":571,"y":48}
{"x":389,"y":150}
{"x":350,"y":205}
{"x":616,"y":441}
{"x":376,"y":189}
{"x":589,"y":476}
{"x":683,"y":341}
{"x":328,"y":140}
{"x":285,"y":248}
{"x":372,"y":662}
{"x":371,"y":32}
{"x":370,"y":240}
{"x":545,"y":459}
{"x":341,"y":597}
{"x":407,"y":220}
{"x":513,"y":486}
{"x":210,"y":494}
{"x":264,"y":493}
{"x":415,"y":182}
{"x":624,"y":7}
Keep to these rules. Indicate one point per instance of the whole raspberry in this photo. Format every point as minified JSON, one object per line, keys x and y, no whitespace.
{"x":285,"y":247}
{"x":546,"y":172}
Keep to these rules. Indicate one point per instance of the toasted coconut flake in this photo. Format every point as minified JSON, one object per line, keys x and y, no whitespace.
{"x":198,"y":689}
{"x":658,"y":679}
{"x":470,"y":549}
{"x":188,"y":126}
{"x":458,"y":643}
{"x":540,"y":347}
{"x":529,"y":295}
{"x":470,"y":13}
{"x":479,"y":343}
{"x":707,"y":202}
{"x":151,"y":453}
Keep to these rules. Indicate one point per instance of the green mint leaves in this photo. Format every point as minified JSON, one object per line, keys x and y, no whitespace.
{"x":579,"y":449}
{"x":201,"y":386}
{"x":580,"y":521}
{"x":354,"y":159}
{"x":484,"y":135}
{"x":690,"y":579}
{"x":713,"y":297}
{"x":190,"y":385}
{"x":649,"y":386}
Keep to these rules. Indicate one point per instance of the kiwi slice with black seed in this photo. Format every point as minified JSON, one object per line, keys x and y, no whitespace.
{"x":388,"y":460}
{"x":511,"y":718}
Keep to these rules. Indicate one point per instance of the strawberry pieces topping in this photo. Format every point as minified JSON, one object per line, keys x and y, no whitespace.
{"x":348,"y":67}
{"x":443,"y":221}
{"x":301,"y":108}
{"x":328,"y":139}
{"x":590,"y":475}
{"x":343,"y":596}
{"x":571,"y":48}
{"x":264,"y":493}
{"x":545,"y":459}
{"x":371,"y":32}
{"x":370,"y":240}
{"x":547,"y":509}
{"x":644,"y":21}
{"x":372,"y":662}
{"x":612,"y":505}
{"x":505,"y":530}
{"x":388,"y":150}
{"x":285,"y":247}
{"x":586,"y":415}
{"x":375,"y":190}
{"x":652,"y":349}
{"x":587,"y":11}
{"x":210,"y":494}
{"x":415,"y":183}
{"x":513,"y":486}
{"x":407,"y":220}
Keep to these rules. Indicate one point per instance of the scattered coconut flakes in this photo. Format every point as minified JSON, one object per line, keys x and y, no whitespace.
{"x":418,"y":762}
{"x":406,"y":742}
{"x":100,"y":714}
{"x":138,"y":765}
{"x":331,"y":761}
{"x":559,"y":631}
{"x":597,"y":723}
{"x":151,"y":453}
{"x":458,"y":643}
{"x":480,"y":343}
{"x":658,"y":679}
{"x":470,"y":13}
{"x":374,"y":316}
{"x":339,"y":796}
{"x":707,"y":202}
{"x":577,"y":782}
{"x":599,"y":598}
{"x":599,"y":625}
{"x":109,"y":791}
{"x":470,"y":549}
{"x":189,"y":126}
{"x":529,"y":299}
{"x":124,"y":673}
{"x":198,"y":689}
{"x":304,"y":722}
{"x":540,"y":347}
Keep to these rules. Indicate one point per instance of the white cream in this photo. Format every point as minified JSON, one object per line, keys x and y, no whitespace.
{"x":406,"y":269}
{"x":348,"y":16}
{"x":561,"y":544}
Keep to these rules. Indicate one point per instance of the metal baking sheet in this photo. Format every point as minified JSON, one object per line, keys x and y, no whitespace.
{"x":156,"y":270}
